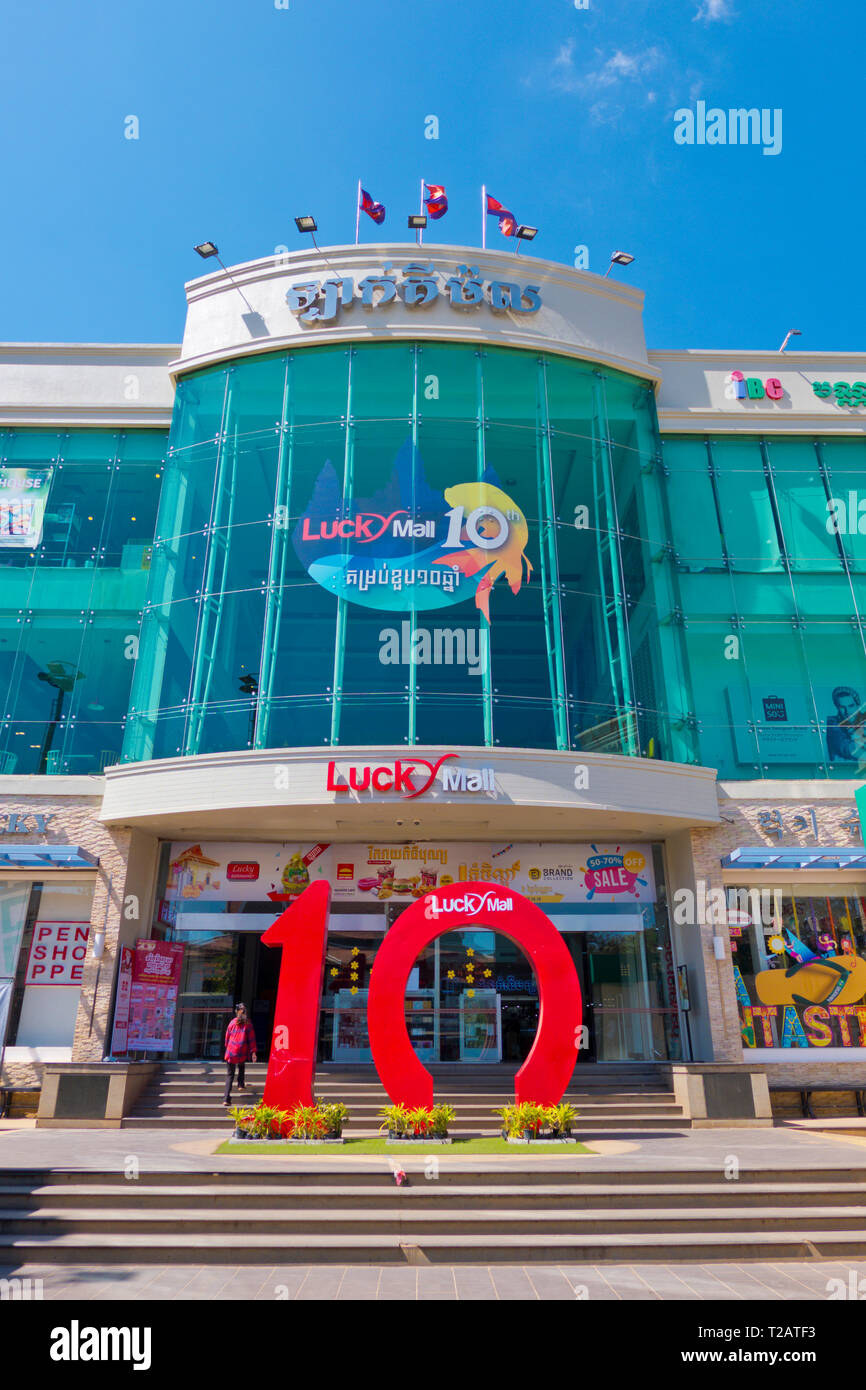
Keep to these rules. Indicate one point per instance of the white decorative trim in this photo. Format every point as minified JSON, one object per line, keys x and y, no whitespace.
{"x":36,"y":1054}
{"x":30,"y":784}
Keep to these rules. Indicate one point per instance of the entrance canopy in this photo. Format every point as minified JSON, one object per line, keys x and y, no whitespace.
{"x":46,"y":857}
{"x":792,"y":857}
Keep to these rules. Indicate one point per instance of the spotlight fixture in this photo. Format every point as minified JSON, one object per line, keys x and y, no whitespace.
{"x":417,"y":221}
{"x":524,"y":233}
{"x":306,"y":224}
{"x":618,"y":258}
{"x":206,"y":249}
{"x":794,"y":333}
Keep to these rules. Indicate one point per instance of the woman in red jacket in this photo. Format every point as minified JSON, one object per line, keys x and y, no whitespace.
{"x":240,"y":1046}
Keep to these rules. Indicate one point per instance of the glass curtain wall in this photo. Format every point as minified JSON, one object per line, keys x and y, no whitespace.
{"x":411,"y":543}
{"x":77,"y":518}
{"x":769,"y":557}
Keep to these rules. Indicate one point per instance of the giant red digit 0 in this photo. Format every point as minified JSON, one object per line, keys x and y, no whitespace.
{"x":545,"y":1074}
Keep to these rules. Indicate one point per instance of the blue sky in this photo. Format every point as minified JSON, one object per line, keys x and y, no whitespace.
{"x":249,"y":114}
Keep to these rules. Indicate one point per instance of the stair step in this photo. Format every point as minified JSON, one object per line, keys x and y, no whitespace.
{"x":561,"y":1197}
{"x":476,"y":1171}
{"x":415,"y":1225}
{"x":487,"y":1248}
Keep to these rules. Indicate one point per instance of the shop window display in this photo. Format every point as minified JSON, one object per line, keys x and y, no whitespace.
{"x":799,"y":962}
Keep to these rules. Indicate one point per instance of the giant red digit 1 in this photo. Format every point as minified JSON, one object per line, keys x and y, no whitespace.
{"x":545,"y":1074}
{"x":302,"y":932}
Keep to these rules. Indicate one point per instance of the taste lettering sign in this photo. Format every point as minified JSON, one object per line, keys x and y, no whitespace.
{"x":57,"y":953}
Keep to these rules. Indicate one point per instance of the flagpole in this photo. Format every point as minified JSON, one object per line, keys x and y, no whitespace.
{"x":358,"y":212}
{"x":421,"y":211}
{"x":484,"y":217}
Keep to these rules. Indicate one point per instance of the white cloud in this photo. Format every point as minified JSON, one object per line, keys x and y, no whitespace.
{"x":618,"y":68}
{"x":711,"y":10}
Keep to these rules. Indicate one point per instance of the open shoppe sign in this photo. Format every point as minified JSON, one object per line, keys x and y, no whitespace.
{"x":57,"y":953}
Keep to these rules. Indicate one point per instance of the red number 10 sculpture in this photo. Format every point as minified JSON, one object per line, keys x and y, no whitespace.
{"x":302,"y":933}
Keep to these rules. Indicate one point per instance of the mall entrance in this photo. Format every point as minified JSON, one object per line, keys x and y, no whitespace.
{"x":221,"y":970}
{"x":471,"y":997}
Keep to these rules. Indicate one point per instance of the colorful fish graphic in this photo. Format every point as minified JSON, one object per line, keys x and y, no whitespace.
{"x":508,"y":559}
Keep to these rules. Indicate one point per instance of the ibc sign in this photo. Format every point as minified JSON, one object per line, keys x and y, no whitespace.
{"x":57,"y":953}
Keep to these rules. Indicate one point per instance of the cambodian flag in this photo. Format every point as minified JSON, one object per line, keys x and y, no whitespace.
{"x":507,"y":220}
{"x":436,"y":202}
{"x":374,"y":210}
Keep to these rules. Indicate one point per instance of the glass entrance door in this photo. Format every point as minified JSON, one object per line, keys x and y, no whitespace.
{"x":618,"y":996}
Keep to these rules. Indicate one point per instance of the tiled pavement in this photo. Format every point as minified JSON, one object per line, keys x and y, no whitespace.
{"x":796,"y":1281}
{"x":193,"y":1151}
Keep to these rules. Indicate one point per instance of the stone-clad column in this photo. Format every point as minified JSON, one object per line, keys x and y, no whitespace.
{"x":122,"y":908}
{"x":721,"y":994}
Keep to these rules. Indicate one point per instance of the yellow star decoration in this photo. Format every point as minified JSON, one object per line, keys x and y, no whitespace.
{"x":487,"y":974}
{"x":355,"y":951}
{"x":470,"y":951}
{"x":451,"y":974}
{"x":470,"y":994}
{"x":354,"y":989}
{"x":335,"y":971}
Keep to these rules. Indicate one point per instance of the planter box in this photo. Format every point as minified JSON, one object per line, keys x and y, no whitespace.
{"x":271,"y":1139}
{"x":528,"y":1143}
{"x":409,"y":1140}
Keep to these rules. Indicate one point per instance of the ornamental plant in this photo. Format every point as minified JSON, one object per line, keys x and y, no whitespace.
{"x":336,"y":1114}
{"x":308,"y":1122}
{"x":419,"y":1120}
{"x":395,"y":1118}
{"x":304,"y":1122}
{"x":560,"y":1117}
{"x":517,"y":1120}
{"x":441,"y":1117}
{"x":506,"y":1115}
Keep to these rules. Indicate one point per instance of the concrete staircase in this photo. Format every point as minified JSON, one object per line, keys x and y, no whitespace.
{"x":188,"y":1095}
{"x":513,"y":1212}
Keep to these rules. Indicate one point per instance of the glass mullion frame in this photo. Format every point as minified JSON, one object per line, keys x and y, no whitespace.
{"x":210,"y":604}
{"x":612,"y":594}
{"x":798,"y":620}
{"x":342,"y":615}
{"x":277,"y":561}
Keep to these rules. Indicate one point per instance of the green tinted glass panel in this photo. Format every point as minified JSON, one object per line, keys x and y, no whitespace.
{"x":71,"y":599}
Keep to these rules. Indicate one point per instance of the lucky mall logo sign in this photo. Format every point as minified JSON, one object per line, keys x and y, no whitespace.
{"x":321,"y":301}
{"x":468,"y":904}
{"x":405,"y":775}
{"x":410,"y":546}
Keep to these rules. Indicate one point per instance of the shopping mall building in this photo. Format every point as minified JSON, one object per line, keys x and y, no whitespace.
{"x":400,"y":572}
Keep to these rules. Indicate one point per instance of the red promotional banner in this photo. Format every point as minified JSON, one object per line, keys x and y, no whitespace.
{"x":156,"y":975}
{"x":119,"y":1037}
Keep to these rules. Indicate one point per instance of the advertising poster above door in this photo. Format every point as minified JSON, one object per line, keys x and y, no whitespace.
{"x":552,"y":874}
